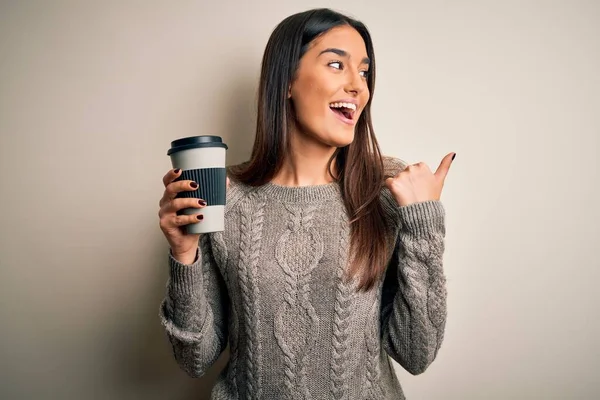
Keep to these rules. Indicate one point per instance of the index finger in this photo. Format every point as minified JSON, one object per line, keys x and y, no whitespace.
{"x":171,"y":176}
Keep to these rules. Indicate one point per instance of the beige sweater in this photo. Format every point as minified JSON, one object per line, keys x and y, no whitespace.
{"x":270,"y":286}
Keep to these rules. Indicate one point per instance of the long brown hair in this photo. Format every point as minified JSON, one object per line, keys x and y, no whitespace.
{"x":359,"y":165}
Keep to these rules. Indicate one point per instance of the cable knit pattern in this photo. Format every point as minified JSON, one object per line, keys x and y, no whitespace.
{"x":221,"y":257}
{"x":421,"y":302}
{"x":206,"y":266}
{"x":271,"y":284}
{"x":296,"y":324}
{"x":195,"y":325}
{"x":373,"y":387}
{"x":251,"y":217}
{"x":341,"y":346}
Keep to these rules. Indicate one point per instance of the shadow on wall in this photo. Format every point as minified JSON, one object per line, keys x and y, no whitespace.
{"x":145,"y":364}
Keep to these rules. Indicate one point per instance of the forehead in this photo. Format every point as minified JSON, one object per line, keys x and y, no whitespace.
{"x":341,"y":37}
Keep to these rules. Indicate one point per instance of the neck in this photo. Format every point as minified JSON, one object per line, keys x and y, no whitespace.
{"x":306,"y":163}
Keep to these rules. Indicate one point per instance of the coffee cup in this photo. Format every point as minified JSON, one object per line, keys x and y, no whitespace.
{"x":202,"y":160}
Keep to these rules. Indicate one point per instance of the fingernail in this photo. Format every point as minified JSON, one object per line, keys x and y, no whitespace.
{"x":194,"y":185}
{"x":177,"y":170}
{"x":453,"y":156}
{"x":202,"y":202}
{"x":200,"y":216}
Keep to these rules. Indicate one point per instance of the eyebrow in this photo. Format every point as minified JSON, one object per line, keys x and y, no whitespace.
{"x":343,"y":53}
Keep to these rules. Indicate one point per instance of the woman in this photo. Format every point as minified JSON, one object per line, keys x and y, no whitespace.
{"x":331,"y":258}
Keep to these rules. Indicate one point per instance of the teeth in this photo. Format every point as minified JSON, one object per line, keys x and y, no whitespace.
{"x":344,"y":105}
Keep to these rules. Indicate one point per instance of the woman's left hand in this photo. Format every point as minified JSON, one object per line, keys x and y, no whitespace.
{"x":416,"y":183}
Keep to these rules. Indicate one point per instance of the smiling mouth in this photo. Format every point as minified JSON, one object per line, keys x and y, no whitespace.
{"x":346,"y":110}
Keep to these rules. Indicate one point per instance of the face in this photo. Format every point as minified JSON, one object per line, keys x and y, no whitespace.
{"x":330,"y":89}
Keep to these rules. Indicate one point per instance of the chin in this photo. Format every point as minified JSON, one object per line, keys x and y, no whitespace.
{"x":336,"y":138}
{"x":343,"y":139}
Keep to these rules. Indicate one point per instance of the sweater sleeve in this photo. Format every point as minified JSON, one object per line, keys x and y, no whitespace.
{"x":413,"y":313}
{"x":194,"y":311}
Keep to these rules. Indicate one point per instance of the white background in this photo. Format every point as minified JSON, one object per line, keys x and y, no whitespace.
{"x":92,"y":93}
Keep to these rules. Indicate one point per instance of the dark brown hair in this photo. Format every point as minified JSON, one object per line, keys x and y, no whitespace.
{"x":360,"y":164}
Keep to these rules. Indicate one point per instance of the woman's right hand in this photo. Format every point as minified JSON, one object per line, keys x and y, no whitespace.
{"x":183,"y":245}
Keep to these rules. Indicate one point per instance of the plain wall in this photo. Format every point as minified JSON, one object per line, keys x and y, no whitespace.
{"x":92,"y":93}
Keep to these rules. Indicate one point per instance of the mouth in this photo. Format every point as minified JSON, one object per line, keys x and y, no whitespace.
{"x":344,"y":111}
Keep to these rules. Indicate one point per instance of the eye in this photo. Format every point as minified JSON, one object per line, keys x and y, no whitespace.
{"x":339,"y":63}
{"x":365,"y":74}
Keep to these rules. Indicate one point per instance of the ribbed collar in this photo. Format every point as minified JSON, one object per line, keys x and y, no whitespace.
{"x":301,"y":194}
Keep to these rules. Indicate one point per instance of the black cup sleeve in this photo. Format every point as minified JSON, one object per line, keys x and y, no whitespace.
{"x":211,"y":185}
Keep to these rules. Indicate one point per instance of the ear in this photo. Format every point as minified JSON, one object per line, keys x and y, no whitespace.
{"x":289,"y":91}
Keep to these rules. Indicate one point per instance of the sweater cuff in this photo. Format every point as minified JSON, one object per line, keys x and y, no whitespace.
{"x":185,"y":279}
{"x":423,"y":218}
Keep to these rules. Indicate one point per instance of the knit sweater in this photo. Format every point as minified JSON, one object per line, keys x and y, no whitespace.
{"x":270,"y":285}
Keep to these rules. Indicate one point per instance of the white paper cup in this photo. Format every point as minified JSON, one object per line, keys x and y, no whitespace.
{"x":202,"y":160}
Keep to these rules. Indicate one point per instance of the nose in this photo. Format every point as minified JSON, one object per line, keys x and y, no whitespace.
{"x":355,"y":83}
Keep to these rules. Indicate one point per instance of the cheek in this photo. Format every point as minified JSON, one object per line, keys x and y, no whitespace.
{"x":309,"y":103}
